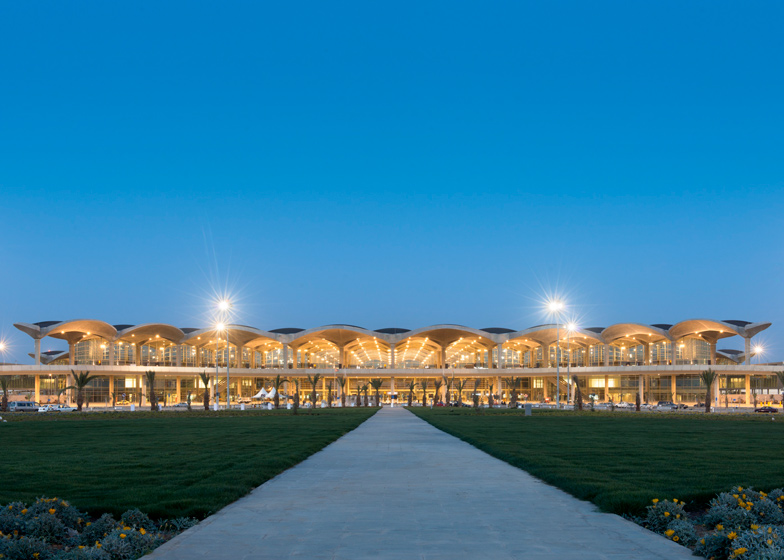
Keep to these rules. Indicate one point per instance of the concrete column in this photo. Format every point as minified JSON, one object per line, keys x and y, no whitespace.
{"x":748,"y":389}
{"x":38,"y":351}
{"x":111,"y":353}
{"x":498,"y":387}
{"x":140,"y":385}
{"x":285,"y":356}
{"x":716,"y":391}
{"x":674,"y":352}
{"x":606,"y":387}
{"x":587,"y":356}
{"x":137,"y":354}
{"x":179,"y":355}
{"x":179,"y":389}
{"x":71,"y":354}
{"x":443,"y":357}
{"x":392,"y":356}
{"x":713,"y":353}
{"x":606,"y":355}
{"x":240,"y":358}
{"x":646,"y":353}
{"x":37,"y":397}
{"x":747,"y":344}
{"x":641,"y":388}
{"x":324,"y":388}
{"x":546,"y":387}
{"x":391,"y":387}
{"x":545,"y":355}
{"x":674,"y":386}
{"x":499,"y":348}
{"x":111,"y":386}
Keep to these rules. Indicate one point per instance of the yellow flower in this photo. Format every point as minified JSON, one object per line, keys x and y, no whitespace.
{"x":52,"y":510}
{"x":666,"y":514}
{"x":81,"y":546}
{"x":36,"y":555}
{"x":735,"y":496}
{"x":732,"y":535}
{"x":655,"y":501}
{"x":678,"y":516}
{"x":719,"y":527}
{"x":754,"y":526}
{"x":97,"y":544}
{"x":88,"y":524}
{"x":122,"y":535}
{"x":770,"y":530}
{"x":142,"y":531}
{"x":739,"y":551}
{"x":669,"y":532}
{"x":676,"y":538}
{"x":24,"y":511}
{"x":770,"y":542}
{"x":702,"y":541}
{"x":126,"y":528}
{"x":740,"y":489}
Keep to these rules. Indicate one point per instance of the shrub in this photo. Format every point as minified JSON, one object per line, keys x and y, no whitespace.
{"x":123,"y":544}
{"x":66,"y":513}
{"x":682,"y":532}
{"x":662,"y":513}
{"x":25,"y":548}
{"x":48,"y":528}
{"x":759,"y":542}
{"x":178,"y":524}
{"x":12,"y":518}
{"x":98,"y":529}
{"x":85,"y":553}
{"x":138,"y":520}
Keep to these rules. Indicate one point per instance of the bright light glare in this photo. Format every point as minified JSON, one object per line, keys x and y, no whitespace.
{"x":554,"y":306}
{"x":220,"y":327}
{"x":224,"y":305}
{"x":2,"y":346}
{"x":758,"y":349}
{"x":571,"y":327}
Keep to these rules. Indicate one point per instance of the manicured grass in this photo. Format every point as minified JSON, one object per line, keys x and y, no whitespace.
{"x":166,"y":464}
{"x":621,"y":461}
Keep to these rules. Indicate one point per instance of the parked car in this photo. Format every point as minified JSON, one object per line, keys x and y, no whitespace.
{"x":681,"y":406}
{"x":123,"y":403}
{"x":666,"y":405}
{"x":23,"y":406}
{"x":766,"y":409}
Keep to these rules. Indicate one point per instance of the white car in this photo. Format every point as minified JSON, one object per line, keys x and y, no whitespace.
{"x":56,"y":408}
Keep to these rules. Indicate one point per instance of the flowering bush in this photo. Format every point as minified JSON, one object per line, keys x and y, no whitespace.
{"x":758,"y":542}
{"x":52,"y":529}
{"x":682,"y":532}
{"x":743,"y":507}
{"x":663,"y":512}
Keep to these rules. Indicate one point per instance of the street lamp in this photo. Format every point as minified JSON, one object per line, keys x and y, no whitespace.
{"x":555,"y":307}
{"x":224,"y":307}
{"x":758,"y":351}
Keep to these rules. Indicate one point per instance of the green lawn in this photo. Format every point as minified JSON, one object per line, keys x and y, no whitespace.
{"x":621,"y":461}
{"x":166,"y":464}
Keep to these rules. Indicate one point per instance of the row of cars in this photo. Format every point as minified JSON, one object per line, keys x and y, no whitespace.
{"x":32,"y":406}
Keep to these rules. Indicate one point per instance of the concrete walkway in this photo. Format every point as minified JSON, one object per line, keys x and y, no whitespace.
{"x":398,"y":488}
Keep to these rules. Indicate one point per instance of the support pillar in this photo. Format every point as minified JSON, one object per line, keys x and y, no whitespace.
{"x":641,"y":388}
{"x":179,"y":389}
{"x":391,"y":388}
{"x":587,"y":356}
{"x":545,"y":355}
{"x":715,"y":392}
{"x":499,"y":348}
{"x":285,"y":356}
{"x":71,"y":354}
{"x":38,"y":351}
{"x":674,"y":387}
{"x":111,"y":353}
{"x":606,"y":355}
{"x":606,"y":387}
{"x":747,"y":393}
{"x":646,"y":353}
{"x":546,"y":388}
{"x":140,"y":385}
{"x":37,"y":397}
{"x":712,"y":353}
{"x":443,"y":357}
{"x":498,"y":388}
{"x":747,"y":344}
{"x":111,"y":386}
{"x":392,"y":356}
{"x":179,"y":356}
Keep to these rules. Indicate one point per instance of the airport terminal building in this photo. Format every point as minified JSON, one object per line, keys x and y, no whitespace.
{"x":661,"y":361}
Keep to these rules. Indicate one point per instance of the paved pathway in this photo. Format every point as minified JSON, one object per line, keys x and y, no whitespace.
{"x":397,"y":488}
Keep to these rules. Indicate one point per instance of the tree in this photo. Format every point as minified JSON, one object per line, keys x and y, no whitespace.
{"x":188,"y":400}
{"x":365,"y":389}
{"x":296,"y":395}
{"x":277,"y":385}
{"x":448,"y":384}
{"x":476,"y":393}
{"x":313,"y":380}
{"x":151,"y":396}
{"x":4,"y":387}
{"x":578,"y":393}
{"x":424,"y":383}
{"x":342,"y":383}
{"x":437,"y":384}
{"x":205,"y":380}
{"x":376,"y":384}
{"x":708,"y":377}
{"x":114,"y":399}
{"x":80,"y":384}
{"x":512,"y":383}
{"x":636,"y":402}
{"x":411,"y":386}
{"x":460,"y":387}
{"x":329,"y":394}
{"x":490,"y":396}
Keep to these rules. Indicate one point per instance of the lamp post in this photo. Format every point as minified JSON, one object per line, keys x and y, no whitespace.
{"x":224,"y":306}
{"x":555,"y":307}
{"x":758,"y":351}
{"x":570,"y":328}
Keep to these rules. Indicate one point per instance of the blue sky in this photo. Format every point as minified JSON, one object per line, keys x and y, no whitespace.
{"x":391,"y":164}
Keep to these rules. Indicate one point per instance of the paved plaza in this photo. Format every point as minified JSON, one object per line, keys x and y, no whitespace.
{"x":398,"y":488}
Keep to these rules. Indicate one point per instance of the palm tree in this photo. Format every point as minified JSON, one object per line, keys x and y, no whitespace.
{"x":780,"y":375}
{"x":365,"y":389}
{"x":578,"y":394}
{"x":411,"y":386}
{"x":708,"y":377}
{"x":153,"y":398}
{"x":342,"y":383}
{"x":313,"y":380}
{"x":512,"y":383}
{"x":376,"y":384}
{"x":4,"y":387}
{"x":188,"y":400}
{"x":460,"y":387}
{"x":476,"y":393}
{"x":205,"y":379}
{"x":490,"y":396}
{"x":277,"y":385}
{"x":80,"y":383}
{"x":437,"y":384}
{"x":329,"y":394}
{"x":448,"y":382}
{"x":424,"y":383}
{"x":296,"y":394}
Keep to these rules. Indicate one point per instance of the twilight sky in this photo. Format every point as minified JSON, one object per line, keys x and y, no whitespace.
{"x":391,"y":164}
